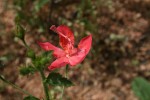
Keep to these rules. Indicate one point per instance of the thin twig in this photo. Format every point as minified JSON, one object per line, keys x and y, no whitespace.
{"x":14,"y":85}
{"x":45,"y":85}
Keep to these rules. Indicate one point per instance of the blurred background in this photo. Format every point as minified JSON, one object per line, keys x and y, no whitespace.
{"x":120,"y":49}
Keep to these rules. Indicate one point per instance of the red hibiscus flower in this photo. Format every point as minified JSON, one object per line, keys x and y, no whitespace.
{"x":68,"y":54}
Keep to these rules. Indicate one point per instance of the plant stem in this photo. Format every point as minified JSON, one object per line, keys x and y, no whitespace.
{"x":45,"y":85}
{"x":66,"y":76}
{"x":24,"y":42}
{"x":62,"y":93}
{"x":14,"y":85}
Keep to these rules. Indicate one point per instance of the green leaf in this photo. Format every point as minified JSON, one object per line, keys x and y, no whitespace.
{"x":39,"y":4}
{"x":31,"y":54}
{"x":27,"y":70}
{"x":42,"y":60}
{"x":30,"y":98}
{"x":4,"y":59}
{"x":46,"y":57}
{"x":55,"y":79}
{"x":141,"y":88}
{"x":20,"y":31}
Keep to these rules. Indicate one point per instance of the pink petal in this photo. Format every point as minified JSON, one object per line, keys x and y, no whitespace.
{"x":65,"y":35}
{"x":48,"y":46}
{"x":83,"y":49}
{"x":85,"y":44}
{"x":67,"y":32}
{"x":77,"y":58}
{"x":60,"y":62}
{"x":59,"y":53}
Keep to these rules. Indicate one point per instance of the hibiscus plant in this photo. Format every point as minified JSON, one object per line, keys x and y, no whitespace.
{"x":67,"y":56}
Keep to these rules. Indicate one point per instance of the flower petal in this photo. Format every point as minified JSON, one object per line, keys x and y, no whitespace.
{"x":83,"y":49}
{"x":59,"y":53}
{"x":48,"y":46}
{"x":77,"y":58}
{"x":65,"y":35}
{"x":85,"y":44}
{"x":60,"y":62}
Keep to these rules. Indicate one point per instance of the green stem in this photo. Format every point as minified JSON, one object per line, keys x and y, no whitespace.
{"x":62,"y":93}
{"x":14,"y":85}
{"x":63,"y":87}
{"x":24,"y":42}
{"x":45,"y":85}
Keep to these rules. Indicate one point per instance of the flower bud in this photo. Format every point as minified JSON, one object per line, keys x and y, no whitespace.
{"x":20,"y":32}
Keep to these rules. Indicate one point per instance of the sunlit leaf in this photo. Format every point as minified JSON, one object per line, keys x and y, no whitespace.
{"x":141,"y":88}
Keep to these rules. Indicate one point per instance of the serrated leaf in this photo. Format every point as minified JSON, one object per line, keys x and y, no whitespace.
{"x":141,"y":88}
{"x":30,"y":98}
{"x":27,"y":70}
{"x":42,"y":60}
{"x":55,"y":79}
{"x":31,"y":53}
